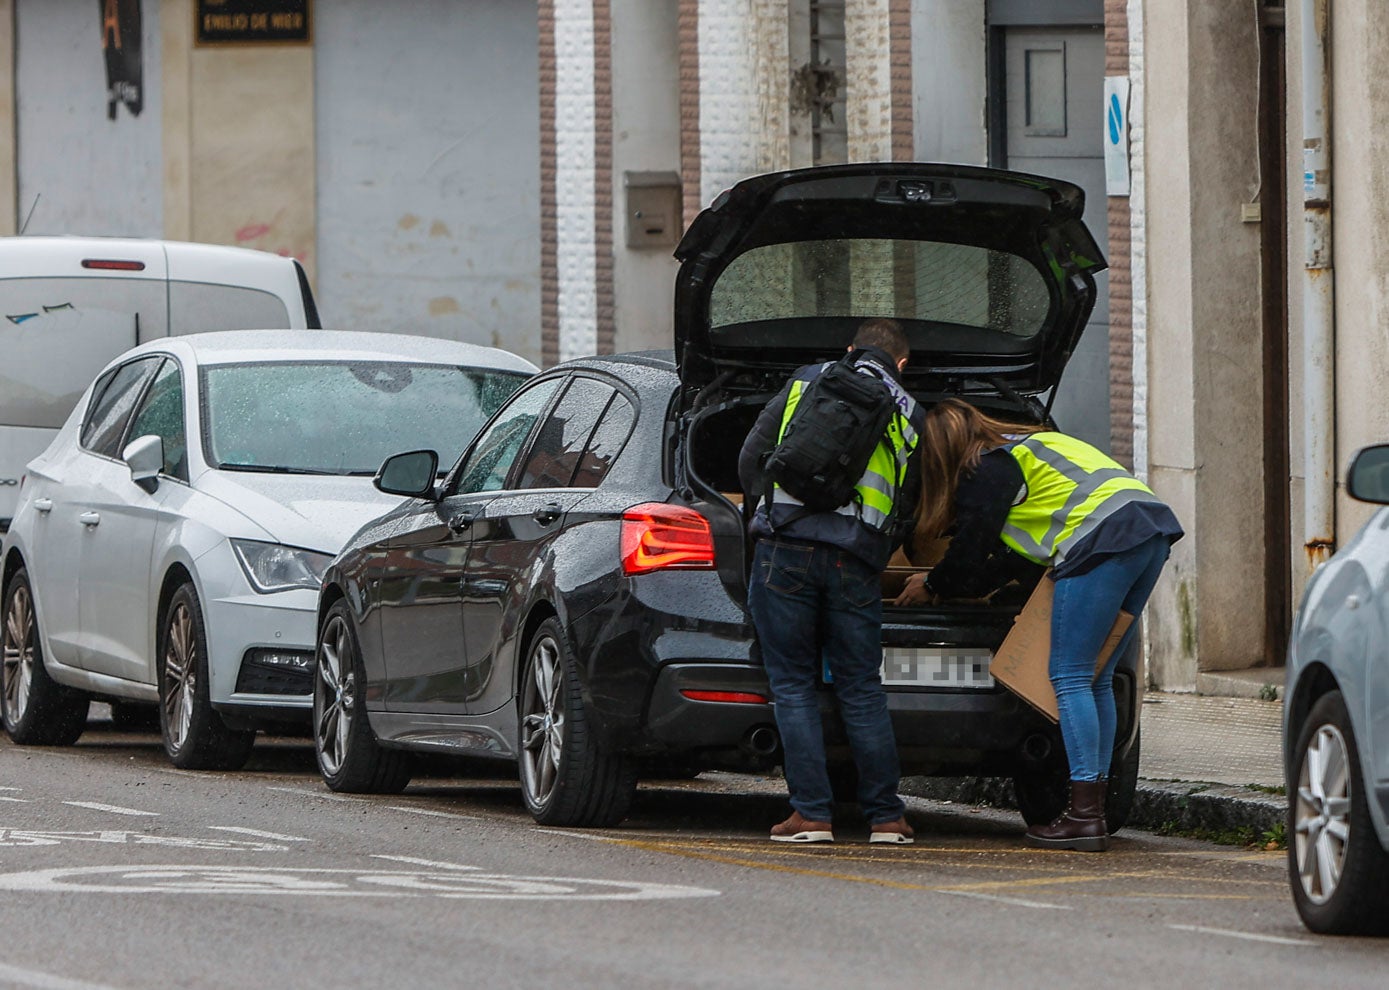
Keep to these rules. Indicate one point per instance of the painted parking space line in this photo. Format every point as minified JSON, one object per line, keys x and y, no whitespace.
{"x":1247,"y":936}
{"x":19,"y":977}
{"x":258,"y":833}
{"x":113,"y":809}
{"x":416,"y":861}
{"x":15,"y":800}
{"x":431,"y":813}
{"x":9,"y":788}
{"x":1014,"y":901}
{"x":321,"y":795}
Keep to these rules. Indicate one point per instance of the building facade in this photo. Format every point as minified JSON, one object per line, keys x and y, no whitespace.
{"x":517,"y":172}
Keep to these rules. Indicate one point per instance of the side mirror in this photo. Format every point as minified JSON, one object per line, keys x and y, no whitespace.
{"x":145,"y":458}
{"x":1368,"y":477}
{"x":410,"y":474}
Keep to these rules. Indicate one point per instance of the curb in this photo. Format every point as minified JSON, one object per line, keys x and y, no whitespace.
{"x":1182,"y":805}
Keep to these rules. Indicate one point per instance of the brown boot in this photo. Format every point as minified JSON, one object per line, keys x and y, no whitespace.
{"x":1081,"y":826}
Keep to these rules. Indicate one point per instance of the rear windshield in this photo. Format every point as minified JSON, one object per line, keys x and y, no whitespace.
{"x":343,"y":417}
{"x":958,"y":285}
{"x":56,"y":334}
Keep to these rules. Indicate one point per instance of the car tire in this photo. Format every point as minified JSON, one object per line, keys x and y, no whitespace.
{"x":36,"y":710}
{"x":1337,"y":868}
{"x":195,"y":737}
{"x":566,"y":779}
{"x":349,"y":756}
{"x":1123,"y":785}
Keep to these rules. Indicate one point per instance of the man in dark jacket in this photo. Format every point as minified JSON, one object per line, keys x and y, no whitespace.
{"x":816,"y":599}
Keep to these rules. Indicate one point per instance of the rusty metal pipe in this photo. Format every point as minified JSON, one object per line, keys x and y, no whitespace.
{"x":1318,"y":288}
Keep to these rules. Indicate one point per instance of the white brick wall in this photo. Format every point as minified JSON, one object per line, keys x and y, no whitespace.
{"x":574,"y":178}
{"x":869,"y":84}
{"x":728,"y":104}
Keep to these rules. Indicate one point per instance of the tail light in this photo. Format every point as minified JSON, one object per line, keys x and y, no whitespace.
{"x":656,"y":536}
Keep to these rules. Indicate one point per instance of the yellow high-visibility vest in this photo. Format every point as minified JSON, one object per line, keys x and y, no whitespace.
{"x":876,"y":491}
{"x":1070,"y":488}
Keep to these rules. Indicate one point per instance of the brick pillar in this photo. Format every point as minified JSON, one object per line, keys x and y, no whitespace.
{"x":1116,"y":63}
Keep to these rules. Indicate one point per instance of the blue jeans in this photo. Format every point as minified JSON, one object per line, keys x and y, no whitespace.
{"x":813,"y":603}
{"x":1084,"y":608}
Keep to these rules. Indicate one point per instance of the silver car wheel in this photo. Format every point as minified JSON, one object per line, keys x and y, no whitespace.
{"x":18,"y":653}
{"x":180,"y":675}
{"x":1321,"y":815}
{"x":334,"y":696}
{"x":542,"y":721}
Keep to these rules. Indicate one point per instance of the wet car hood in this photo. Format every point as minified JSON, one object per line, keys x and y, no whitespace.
{"x":316,"y":512}
{"x":990,"y":272}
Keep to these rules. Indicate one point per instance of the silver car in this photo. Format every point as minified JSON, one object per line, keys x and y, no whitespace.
{"x":1336,"y":726}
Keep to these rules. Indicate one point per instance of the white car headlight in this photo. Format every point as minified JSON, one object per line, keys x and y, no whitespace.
{"x":272,"y":567}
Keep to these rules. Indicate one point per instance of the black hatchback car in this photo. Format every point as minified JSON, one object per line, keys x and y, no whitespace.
{"x":571,"y":595}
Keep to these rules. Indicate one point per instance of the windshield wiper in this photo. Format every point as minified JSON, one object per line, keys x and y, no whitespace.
{"x":272,"y":469}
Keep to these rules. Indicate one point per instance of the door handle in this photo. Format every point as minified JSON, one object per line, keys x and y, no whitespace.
{"x":547,"y":513}
{"x":43,"y":505}
{"x":90,"y":518}
{"x":460,"y":522}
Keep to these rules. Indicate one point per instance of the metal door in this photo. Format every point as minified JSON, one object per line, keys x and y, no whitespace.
{"x":1054,"y":94}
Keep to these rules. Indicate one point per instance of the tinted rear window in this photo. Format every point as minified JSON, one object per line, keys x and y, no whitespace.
{"x":935,"y":282}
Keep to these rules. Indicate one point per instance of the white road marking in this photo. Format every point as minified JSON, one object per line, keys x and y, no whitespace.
{"x":1248,"y":936}
{"x":569,"y":834}
{"x":321,"y":795}
{"x":9,"y":788}
{"x":413,"y":861}
{"x":15,"y":800}
{"x":449,"y":884}
{"x":42,"y":837}
{"x":1015,"y":901}
{"x":45,"y":981}
{"x":432,"y":814}
{"x":258,"y":833}
{"x":114,"y":809}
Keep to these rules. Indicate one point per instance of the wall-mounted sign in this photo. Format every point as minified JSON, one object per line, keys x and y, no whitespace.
{"x":1116,"y":135}
{"x":120,"y":43}
{"x":253,"y":22}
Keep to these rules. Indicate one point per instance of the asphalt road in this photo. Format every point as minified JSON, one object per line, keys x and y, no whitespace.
{"x":118,"y":871}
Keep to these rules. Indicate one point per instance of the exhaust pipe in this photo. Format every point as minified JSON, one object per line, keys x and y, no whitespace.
{"x":761,"y":740}
{"x":1036,"y":748}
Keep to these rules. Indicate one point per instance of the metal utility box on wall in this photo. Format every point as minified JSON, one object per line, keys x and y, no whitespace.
{"x":653,"y":209}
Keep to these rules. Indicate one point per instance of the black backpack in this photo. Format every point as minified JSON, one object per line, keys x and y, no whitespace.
{"x":839,"y":421}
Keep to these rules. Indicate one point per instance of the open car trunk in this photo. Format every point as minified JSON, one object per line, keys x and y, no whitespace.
{"x":713,"y":437}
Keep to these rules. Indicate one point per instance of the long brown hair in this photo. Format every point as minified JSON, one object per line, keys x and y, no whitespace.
{"x":955,"y":436}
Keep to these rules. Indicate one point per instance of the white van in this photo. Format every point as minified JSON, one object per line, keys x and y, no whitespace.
{"x":68,"y":305}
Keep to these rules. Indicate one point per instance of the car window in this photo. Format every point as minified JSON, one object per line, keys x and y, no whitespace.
{"x":105,"y":425}
{"x":555,"y":453}
{"x":161,"y":415}
{"x":198,"y":306}
{"x":343,"y":417}
{"x":607,"y":442}
{"x":489,"y":462}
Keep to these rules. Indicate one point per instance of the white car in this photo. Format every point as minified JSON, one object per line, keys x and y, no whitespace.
{"x":168,"y":545}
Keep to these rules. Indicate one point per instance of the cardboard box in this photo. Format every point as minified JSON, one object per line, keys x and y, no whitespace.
{"x":1020,"y":664}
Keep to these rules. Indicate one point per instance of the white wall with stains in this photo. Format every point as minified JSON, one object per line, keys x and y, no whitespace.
{"x":429,"y":170}
{"x":80,"y":172}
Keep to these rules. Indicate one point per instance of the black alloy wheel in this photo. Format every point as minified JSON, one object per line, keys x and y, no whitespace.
{"x":37,"y":710}
{"x":195,"y":737}
{"x":1338,"y":870}
{"x":349,"y":757}
{"x":565,"y":778}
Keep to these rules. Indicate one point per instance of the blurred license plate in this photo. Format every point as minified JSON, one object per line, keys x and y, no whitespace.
{"x":937,"y":666}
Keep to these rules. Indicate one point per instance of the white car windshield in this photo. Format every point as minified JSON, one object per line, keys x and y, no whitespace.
{"x":340,"y":417}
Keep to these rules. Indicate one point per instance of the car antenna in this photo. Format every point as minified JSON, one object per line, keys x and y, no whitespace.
{"x":30,"y":215}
